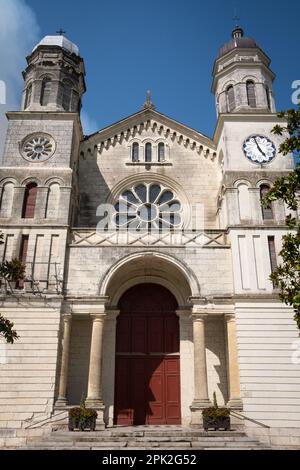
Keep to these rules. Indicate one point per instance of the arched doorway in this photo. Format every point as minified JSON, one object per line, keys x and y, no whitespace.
{"x":147,"y":379}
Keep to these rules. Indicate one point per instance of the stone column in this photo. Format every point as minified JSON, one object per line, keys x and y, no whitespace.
{"x":63,"y":379}
{"x":186,"y":364}
{"x":235,"y":401}
{"x":201,"y":399}
{"x":94,"y":398}
{"x":108,"y":371}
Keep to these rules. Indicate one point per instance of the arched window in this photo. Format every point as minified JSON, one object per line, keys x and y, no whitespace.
{"x":267,"y":212}
{"x":148,"y":153}
{"x":161,"y":152}
{"x":29,"y":201}
{"x":135,"y":152}
{"x":230,"y":99}
{"x":7,"y":200}
{"x":46,"y":91}
{"x":28,"y":96}
{"x":67,"y":94}
{"x":53,"y":201}
{"x":251,"y":98}
{"x":268,"y":97}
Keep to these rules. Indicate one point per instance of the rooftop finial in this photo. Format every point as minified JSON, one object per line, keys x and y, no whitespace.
{"x":148,"y":103}
{"x":61,"y":32}
{"x":238,"y":31}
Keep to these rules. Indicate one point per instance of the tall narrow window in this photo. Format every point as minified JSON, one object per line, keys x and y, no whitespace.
{"x":268,"y":97}
{"x":272,"y":254}
{"x":46,"y":91}
{"x":251,"y":98}
{"x":267,"y":212}
{"x":7,"y":200}
{"x":67,"y":95}
{"x":29,"y":201}
{"x":28,"y":96}
{"x":148,"y":154}
{"x":135,"y":152}
{"x":23,"y":257}
{"x":161,"y":152}
{"x":230,"y":99}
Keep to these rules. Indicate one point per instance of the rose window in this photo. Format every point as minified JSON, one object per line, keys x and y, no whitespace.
{"x":38,"y":148}
{"x":148,"y":206}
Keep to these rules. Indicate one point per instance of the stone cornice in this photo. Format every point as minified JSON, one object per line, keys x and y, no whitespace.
{"x":244,"y":117}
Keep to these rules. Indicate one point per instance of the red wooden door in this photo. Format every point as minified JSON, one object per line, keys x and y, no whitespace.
{"x":147,"y":380}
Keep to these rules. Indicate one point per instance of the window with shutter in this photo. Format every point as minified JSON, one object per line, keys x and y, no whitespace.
{"x":161,"y":152}
{"x":135,"y":152}
{"x":272,"y":255}
{"x":46,"y":92}
{"x":29,"y":201}
{"x":230,"y":98}
{"x":251,"y":94}
{"x":267,"y":212}
{"x":148,"y":155}
{"x":23,"y":257}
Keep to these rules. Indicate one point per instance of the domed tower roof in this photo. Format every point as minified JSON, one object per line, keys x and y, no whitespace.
{"x":238,"y":41}
{"x":60,"y":41}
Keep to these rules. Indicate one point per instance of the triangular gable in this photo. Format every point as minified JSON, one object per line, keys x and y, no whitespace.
{"x":164,"y":126}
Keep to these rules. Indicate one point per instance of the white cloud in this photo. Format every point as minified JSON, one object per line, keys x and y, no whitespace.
{"x":89,"y":124}
{"x":19,"y":32}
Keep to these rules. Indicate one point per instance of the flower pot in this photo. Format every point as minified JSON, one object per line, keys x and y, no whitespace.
{"x":82,"y":419}
{"x":216,"y":423}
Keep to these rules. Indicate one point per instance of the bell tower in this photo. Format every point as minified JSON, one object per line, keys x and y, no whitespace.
{"x":54,"y":77}
{"x":242,"y":78}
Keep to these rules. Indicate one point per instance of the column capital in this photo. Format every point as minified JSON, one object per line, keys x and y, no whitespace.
{"x":111,"y":315}
{"x":199,"y":316}
{"x":98,"y":317}
{"x":184,"y":313}
{"x":229,"y":317}
{"x":67,"y":317}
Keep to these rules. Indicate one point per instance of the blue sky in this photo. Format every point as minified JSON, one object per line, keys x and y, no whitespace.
{"x":168,"y":46}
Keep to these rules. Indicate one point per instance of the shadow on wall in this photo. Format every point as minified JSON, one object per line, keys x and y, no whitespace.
{"x":216,"y":360}
{"x":79,"y":360}
{"x":93,"y":190}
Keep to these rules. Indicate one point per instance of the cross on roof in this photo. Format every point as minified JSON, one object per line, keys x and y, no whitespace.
{"x":236,"y":17}
{"x":61,"y":32}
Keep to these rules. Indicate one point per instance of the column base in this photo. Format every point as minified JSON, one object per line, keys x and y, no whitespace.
{"x":235,"y":404}
{"x":196,"y":412}
{"x":61,"y":402}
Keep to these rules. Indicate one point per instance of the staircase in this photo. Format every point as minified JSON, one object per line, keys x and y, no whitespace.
{"x":146,"y":438}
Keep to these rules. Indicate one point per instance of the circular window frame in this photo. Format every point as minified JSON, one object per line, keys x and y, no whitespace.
{"x":159,"y":222}
{"x":29,"y":140}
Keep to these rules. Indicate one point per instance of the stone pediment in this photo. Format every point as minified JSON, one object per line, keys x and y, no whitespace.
{"x":145,"y":122}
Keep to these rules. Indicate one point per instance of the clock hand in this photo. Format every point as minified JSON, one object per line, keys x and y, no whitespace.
{"x":259,"y":147}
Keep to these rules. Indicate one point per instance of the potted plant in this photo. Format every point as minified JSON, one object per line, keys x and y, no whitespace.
{"x":215,"y":417}
{"x":82,"y":418}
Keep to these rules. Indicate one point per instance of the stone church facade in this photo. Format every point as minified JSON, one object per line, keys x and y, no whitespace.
{"x":148,"y":257}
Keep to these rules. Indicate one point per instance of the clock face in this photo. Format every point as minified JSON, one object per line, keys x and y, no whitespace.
{"x":37,"y":148}
{"x":259,"y":149}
